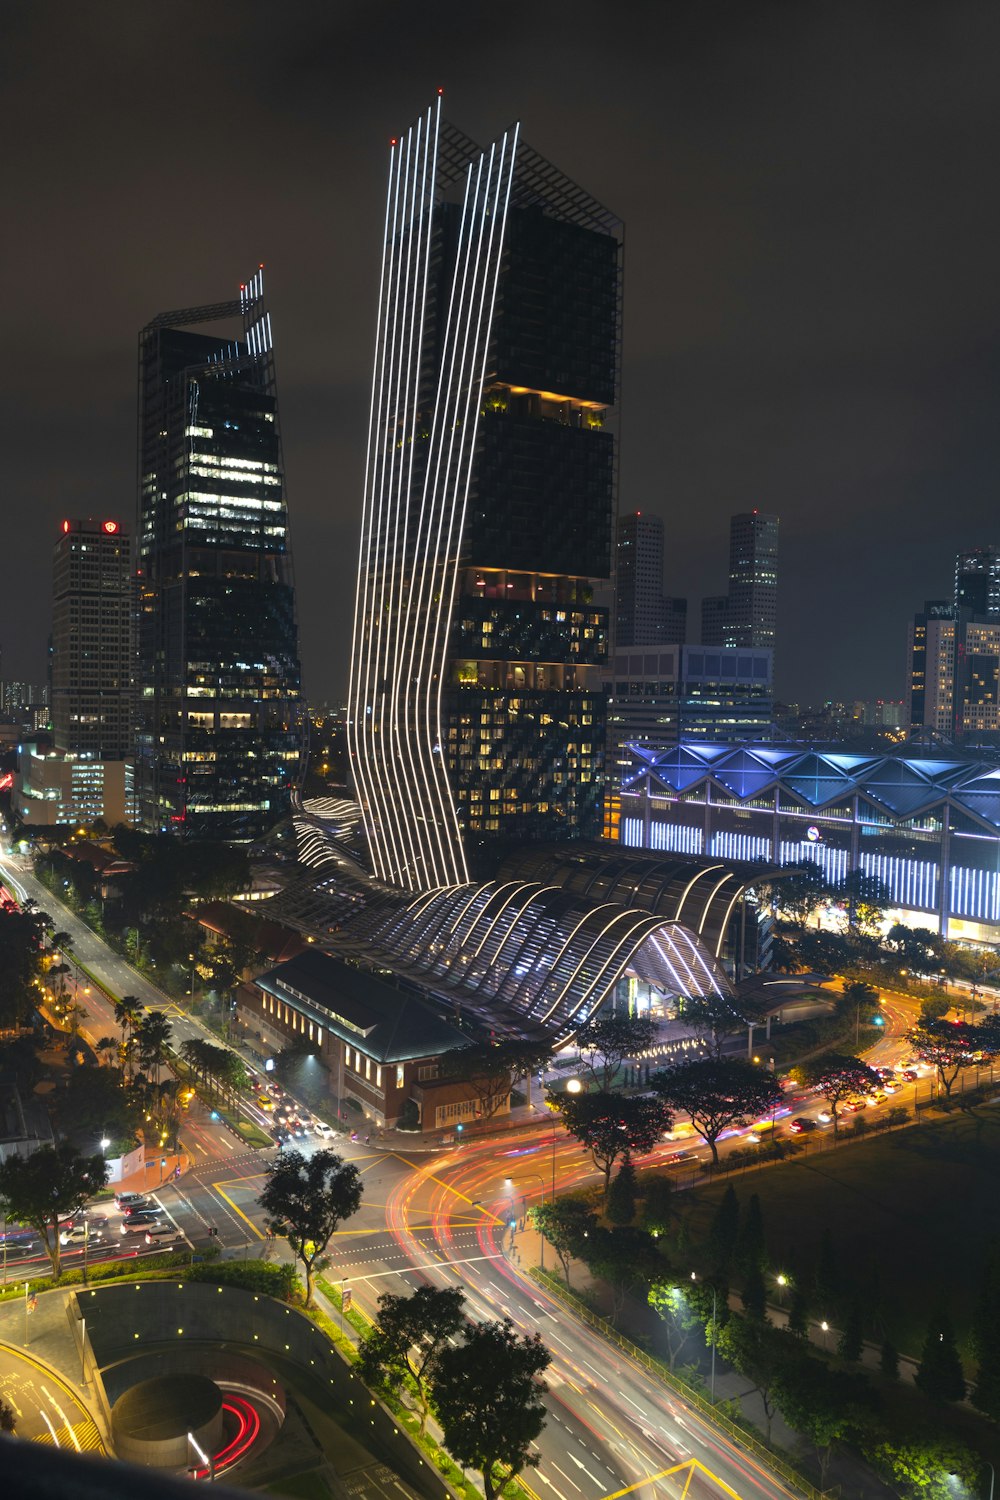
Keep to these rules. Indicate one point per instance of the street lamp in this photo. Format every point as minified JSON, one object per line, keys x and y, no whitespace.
{"x":509,"y":1184}
{"x":825,"y":1329}
{"x":573,"y":1085}
{"x":105,"y":1143}
{"x":715,"y":1295}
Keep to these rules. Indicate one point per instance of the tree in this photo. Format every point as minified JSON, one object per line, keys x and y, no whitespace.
{"x":723,"y":1231}
{"x":750,"y":1250}
{"x":837,"y":1078}
{"x":487,"y":1395}
{"x":622,"y":1257}
{"x":671,"y":1302}
{"x":762,"y":1353}
{"x":718,"y":1094}
{"x":920,"y":1465}
{"x":797,"y":893}
{"x":607,"y":1040}
{"x":712,"y":1017}
{"x":953,"y":1045}
{"x":658,"y":1208}
{"x":851,"y":1342}
{"x":128,"y":1014}
{"x":8,"y":1418}
{"x":986,"y":1335}
{"x":49,"y":1184}
{"x":407,"y":1339}
{"x":152,"y":1037}
{"x":565,"y":1223}
{"x":620,"y":1206}
{"x":611,"y":1125}
{"x":939,"y":1374}
{"x":933,"y":1008}
{"x":306,"y":1200}
{"x":824,"y":1405}
{"x":20,"y":966}
{"x":863,"y":899}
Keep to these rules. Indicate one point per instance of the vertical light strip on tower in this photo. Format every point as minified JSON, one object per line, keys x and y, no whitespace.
{"x":414,"y":515}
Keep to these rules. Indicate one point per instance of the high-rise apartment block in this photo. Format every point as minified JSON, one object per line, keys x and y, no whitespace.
{"x":93,"y":601}
{"x":930,"y":663}
{"x":644,"y":616}
{"x":476,"y":716}
{"x":748,"y":614}
{"x":219,"y":738}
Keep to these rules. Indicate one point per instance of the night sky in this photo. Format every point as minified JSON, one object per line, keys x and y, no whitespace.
{"x":812,"y":289}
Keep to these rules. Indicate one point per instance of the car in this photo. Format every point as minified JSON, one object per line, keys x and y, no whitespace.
{"x":825,"y":1117}
{"x":265,"y":1101}
{"x":909,"y":1075}
{"x":145,"y":1216}
{"x":886,"y":1072}
{"x":157,"y":1232}
{"x":323,"y":1129}
{"x":853,"y":1106}
{"x":678,"y":1158}
{"x":876,"y":1097}
{"x":81,"y":1235}
{"x":800,"y":1124}
{"x":891,"y":1086}
{"x":136,"y":1226}
{"x":297,"y":1131}
{"x":96,"y":1221}
{"x":122,"y":1200}
{"x":141,"y":1205}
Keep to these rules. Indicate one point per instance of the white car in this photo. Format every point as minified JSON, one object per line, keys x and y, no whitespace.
{"x":78,"y":1236}
{"x":323,"y":1129}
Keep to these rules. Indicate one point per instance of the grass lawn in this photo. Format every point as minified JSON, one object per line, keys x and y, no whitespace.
{"x":909,"y":1212}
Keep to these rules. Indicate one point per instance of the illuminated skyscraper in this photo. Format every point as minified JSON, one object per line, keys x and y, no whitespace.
{"x":92,"y":611}
{"x":476,"y":717}
{"x":219,"y":737}
{"x":644,"y":616}
{"x":748,"y":615}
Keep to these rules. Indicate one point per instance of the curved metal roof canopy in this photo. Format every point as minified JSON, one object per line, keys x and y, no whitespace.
{"x":538,"y":956}
{"x":700,"y":893}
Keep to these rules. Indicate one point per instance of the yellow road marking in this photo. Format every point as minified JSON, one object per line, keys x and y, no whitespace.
{"x":692,"y":1465}
{"x":236,"y":1209}
{"x":456,"y":1192}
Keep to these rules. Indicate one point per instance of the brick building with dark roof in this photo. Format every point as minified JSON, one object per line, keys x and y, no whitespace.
{"x":379,"y":1041}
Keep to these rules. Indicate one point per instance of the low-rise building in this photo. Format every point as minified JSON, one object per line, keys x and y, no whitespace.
{"x":379,"y":1041}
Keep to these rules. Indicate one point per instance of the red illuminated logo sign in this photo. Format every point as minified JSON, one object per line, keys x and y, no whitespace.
{"x":110,"y":527}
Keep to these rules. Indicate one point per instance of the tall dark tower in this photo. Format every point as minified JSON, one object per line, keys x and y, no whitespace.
{"x":476,"y":716}
{"x":218,"y":692}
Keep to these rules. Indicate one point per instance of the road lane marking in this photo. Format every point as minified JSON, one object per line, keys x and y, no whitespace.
{"x":236,"y":1209}
{"x":567,"y":1479}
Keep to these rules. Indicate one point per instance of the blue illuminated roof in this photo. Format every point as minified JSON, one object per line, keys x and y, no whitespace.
{"x":902,"y":785}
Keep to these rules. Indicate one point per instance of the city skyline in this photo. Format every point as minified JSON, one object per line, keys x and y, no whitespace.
{"x":806,"y":316}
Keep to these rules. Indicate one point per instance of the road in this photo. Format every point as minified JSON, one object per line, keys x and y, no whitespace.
{"x":611,"y":1427}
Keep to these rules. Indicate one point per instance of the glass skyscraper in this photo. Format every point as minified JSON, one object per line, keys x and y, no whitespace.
{"x":476,"y":715}
{"x":219,"y":735}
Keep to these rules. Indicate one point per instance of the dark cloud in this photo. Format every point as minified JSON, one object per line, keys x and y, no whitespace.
{"x":811,"y":295}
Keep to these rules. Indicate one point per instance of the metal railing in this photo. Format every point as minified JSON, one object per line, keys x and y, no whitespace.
{"x":653,"y":1366}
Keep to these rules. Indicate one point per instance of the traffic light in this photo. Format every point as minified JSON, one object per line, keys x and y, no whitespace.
{"x":459,"y":1128}
{"x":213,"y":1232}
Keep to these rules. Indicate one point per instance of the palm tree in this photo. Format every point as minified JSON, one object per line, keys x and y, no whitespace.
{"x":153,"y":1036}
{"x":107,"y":1045}
{"x":128,"y":1013}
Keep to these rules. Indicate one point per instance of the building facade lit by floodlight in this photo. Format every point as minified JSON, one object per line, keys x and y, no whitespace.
{"x":476,"y":716}
{"x":218,"y":740}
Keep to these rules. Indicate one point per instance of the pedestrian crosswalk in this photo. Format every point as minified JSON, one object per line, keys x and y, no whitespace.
{"x":81,"y":1437}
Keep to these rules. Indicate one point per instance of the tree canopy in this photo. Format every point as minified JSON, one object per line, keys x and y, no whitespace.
{"x":953,"y":1045}
{"x":307,"y":1199}
{"x":613,"y":1125}
{"x":717,"y":1094}
{"x":608,"y":1040}
{"x":838,"y":1077}
{"x":489,"y":1068}
{"x":487,"y":1395}
{"x":49,"y":1184}
{"x":407,"y":1339}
